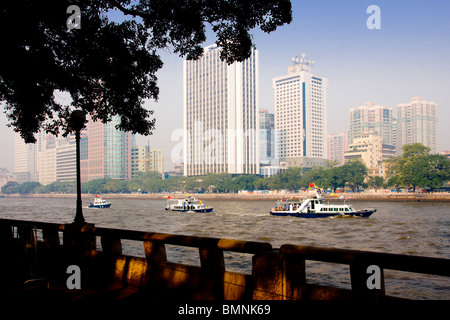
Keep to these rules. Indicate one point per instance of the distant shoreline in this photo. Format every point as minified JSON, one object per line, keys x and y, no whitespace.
{"x":369,"y":196}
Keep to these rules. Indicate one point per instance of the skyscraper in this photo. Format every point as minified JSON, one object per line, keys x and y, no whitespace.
{"x":371,"y":118}
{"x":46,"y":158}
{"x":66,"y":167}
{"x":417,"y":122}
{"x":25,"y":162}
{"x":220,"y":115}
{"x":117,"y":151}
{"x":301,"y":115}
{"x":105,"y":152}
{"x":337,"y":145}
{"x":155,"y":160}
{"x":138,"y":159}
{"x":146,"y":158}
{"x":266,"y":136}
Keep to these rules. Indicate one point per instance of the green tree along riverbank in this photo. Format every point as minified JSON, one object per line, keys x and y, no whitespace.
{"x":350,"y":175}
{"x":415,"y":168}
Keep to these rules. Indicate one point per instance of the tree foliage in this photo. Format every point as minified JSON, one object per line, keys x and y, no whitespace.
{"x":335,"y":178}
{"x":424,"y":171}
{"x":355,"y":174}
{"x":24,"y":188}
{"x":109,"y":68}
{"x":10,"y":187}
{"x":376,"y":182}
{"x":57,"y":187}
{"x":416,"y":167}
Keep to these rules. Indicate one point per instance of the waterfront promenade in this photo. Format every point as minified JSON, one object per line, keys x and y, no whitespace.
{"x":272,"y":195}
{"x":276,"y":267}
{"x":105,"y":273}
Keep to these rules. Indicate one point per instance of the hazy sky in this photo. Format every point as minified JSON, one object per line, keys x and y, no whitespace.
{"x":409,"y":56}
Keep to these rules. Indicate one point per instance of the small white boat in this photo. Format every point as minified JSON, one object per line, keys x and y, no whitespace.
{"x":315,"y":207}
{"x":188,"y":204}
{"x":99,"y":203}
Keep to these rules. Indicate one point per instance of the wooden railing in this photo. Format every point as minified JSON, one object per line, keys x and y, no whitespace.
{"x":276,"y":273}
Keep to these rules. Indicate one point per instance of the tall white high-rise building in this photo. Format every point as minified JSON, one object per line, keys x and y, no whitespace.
{"x":66,"y":165}
{"x":56,"y":158}
{"x":417,"y":122}
{"x":300,"y":99}
{"x":46,"y":158}
{"x":25,"y":162}
{"x":220,"y":115}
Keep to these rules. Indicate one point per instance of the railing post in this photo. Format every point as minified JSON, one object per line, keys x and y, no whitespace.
{"x":294,"y":277}
{"x":155,"y":254}
{"x":267,"y":276}
{"x":111,"y":244}
{"x":26,"y":233}
{"x":6,"y":232}
{"x":78,"y":238}
{"x":213,"y":269}
{"x":51,"y":236}
{"x":278,"y":277}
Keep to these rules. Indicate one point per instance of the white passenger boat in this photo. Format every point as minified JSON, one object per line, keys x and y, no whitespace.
{"x":188,"y":204}
{"x":99,"y":203}
{"x":316,"y":207}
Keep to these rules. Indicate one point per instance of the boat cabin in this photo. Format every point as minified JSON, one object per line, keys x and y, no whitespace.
{"x":311,"y":205}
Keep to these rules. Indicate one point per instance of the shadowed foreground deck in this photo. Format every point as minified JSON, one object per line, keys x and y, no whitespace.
{"x":42,"y":252}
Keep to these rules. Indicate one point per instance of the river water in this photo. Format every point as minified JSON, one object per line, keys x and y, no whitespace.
{"x":414,"y":228}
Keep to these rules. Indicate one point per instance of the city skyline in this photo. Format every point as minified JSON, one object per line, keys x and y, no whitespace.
{"x":407,"y":57}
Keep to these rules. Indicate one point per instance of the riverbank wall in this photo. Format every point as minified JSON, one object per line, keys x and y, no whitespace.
{"x":249,"y":196}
